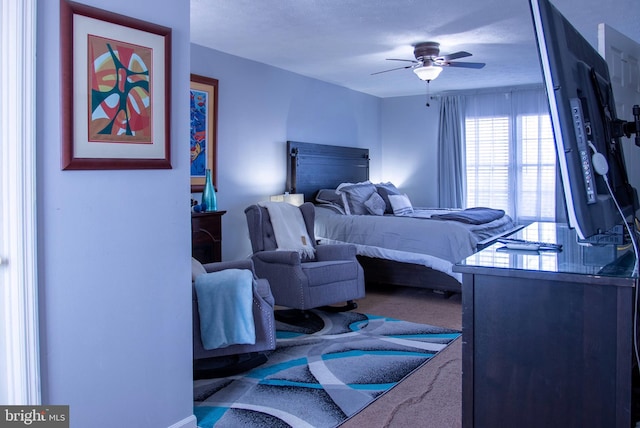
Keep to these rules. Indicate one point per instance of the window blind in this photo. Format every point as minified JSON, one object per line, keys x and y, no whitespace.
{"x":510,"y":155}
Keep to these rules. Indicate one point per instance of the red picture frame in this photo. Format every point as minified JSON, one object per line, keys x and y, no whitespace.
{"x":116,"y":90}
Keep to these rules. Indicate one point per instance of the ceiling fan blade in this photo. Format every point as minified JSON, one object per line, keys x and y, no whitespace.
{"x":464,"y":64}
{"x":455,"y":55}
{"x":407,"y":60}
{"x":398,"y":68}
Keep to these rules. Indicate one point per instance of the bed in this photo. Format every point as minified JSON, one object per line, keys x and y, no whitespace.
{"x":397,"y":244}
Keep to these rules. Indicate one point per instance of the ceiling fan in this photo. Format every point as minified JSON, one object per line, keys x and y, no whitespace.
{"x":428,"y":63}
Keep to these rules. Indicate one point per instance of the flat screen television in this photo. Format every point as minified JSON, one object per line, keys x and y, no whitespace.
{"x":584,"y":122}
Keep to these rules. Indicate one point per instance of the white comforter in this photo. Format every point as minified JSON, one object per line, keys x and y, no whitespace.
{"x":437,"y":244}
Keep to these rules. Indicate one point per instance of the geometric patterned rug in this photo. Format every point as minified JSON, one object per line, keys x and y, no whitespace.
{"x":326,"y":368}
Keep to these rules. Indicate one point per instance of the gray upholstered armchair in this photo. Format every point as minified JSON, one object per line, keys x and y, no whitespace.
{"x":237,"y":357}
{"x":333,"y":276}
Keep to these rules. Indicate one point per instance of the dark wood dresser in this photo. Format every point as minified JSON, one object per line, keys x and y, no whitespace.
{"x":206,"y":236}
{"x":547,"y":337}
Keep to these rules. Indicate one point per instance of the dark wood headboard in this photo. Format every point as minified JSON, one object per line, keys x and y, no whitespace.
{"x":311,"y":167}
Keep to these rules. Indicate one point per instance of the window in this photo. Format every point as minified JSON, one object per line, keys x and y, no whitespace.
{"x":536,"y":169}
{"x":511,"y":158}
{"x":488,"y":157}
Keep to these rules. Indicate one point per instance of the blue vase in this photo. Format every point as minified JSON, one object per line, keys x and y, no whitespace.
{"x":209,"y":193}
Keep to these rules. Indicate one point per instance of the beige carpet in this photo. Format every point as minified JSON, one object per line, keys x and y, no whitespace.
{"x":431,"y":396}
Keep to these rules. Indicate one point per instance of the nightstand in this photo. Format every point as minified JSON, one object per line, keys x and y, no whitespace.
{"x":206,"y":236}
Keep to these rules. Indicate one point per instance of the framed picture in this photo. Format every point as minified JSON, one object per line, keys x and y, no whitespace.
{"x":204,"y":123}
{"x":116,"y":87}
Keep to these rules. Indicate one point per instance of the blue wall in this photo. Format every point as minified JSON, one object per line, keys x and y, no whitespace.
{"x":260,"y":109}
{"x":410,"y":147}
{"x":113,"y":257}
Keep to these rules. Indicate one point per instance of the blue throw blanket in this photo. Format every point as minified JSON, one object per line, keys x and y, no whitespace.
{"x":225,"y":306}
{"x":477,"y":215}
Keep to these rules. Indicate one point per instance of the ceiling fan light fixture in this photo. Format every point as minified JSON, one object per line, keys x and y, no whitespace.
{"x":429,"y":72}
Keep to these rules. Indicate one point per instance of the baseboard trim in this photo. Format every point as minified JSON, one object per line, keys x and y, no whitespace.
{"x":188,"y":422}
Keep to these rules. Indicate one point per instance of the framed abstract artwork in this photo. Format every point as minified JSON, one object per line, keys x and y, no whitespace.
{"x":204,"y":122}
{"x":116,"y":87}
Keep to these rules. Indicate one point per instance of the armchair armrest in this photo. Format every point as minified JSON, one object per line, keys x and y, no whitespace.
{"x":220,"y":266}
{"x":284,"y":257}
{"x":235,"y":264}
{"x":261,"y":287}
{"x":335,"y":252}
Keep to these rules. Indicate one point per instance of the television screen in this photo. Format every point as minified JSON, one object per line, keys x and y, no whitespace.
{"x":583,"y":117}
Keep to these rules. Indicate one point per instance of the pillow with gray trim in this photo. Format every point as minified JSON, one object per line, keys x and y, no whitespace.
{"x":355,"y":195}
{"x":328,"y":196}
{"x":401,"y":205}
{"x":375,"y":204}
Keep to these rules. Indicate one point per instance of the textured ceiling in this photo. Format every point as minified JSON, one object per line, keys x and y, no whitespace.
{"x":344,"y":41}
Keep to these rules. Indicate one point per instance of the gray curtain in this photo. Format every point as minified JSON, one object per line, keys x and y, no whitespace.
{"x":451,"y":149}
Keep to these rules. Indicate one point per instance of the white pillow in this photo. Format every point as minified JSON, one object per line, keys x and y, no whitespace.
{"x":401,"y":205}
{"x":375,"y":204}
{"x":196,"y":269}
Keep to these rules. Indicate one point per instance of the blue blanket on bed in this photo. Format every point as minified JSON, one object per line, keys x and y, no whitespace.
{"x":477,"y":215}
{"x":225,"y":306}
